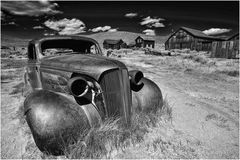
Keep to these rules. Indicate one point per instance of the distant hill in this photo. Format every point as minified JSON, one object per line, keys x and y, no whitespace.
{"x":127,"y":37}
{"x":13,"y":41}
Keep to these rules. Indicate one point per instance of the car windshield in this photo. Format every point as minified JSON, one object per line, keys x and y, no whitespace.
{"x":66,"y":46}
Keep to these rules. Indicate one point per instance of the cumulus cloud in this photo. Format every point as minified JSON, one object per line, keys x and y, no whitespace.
{"x":30,"y":8}
{"x":48,"y":34}
{"x":104,"y":29}
{"x":38,"y":27}
{"x":12,"y":23}
{"x":157,"y":25}
{"x":152,"y":22}
{"x":131,"y":15}
{"x":215,"y":31}
{"x":113,"y":30}
{"x":149,"y":32}
{"x":66,"y":26}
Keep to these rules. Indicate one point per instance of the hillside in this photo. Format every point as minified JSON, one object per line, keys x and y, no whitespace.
{"x":127,"y":37}
{"x":7,"y":40}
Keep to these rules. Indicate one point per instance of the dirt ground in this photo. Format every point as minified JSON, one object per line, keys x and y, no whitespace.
{"x":205,"y":108}
{"x":205,"y":121}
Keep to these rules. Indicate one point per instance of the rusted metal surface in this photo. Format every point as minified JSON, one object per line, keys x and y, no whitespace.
{"x":148,"y":99}
{"x":73,"y":92}
{"x":92,"y":65}
{"x":56,"y":120}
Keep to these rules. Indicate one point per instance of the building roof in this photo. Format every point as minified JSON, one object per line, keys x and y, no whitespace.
{"x":112,"y":41}
{"x":233,"y":36}
{"x":131,"y":44}
{"x":196,"y":33}
{"x":146,"y":38}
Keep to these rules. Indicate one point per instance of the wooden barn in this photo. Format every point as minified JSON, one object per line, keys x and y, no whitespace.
{"x":190,"y":38}
{"x":226,"y":49}
{"x":113,"y":44}
{"x":235,"y":37}
{"x":145,"y":42}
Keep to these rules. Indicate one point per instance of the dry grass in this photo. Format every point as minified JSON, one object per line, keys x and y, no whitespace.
{"x":113,"y":137}
{"x":19,"y":88}
{"x":229,"y":72}
{"x":7,"y":77}
{"x":200,"y":63}
{"x":218,"y":120}
{"x":197,"y":58}
{"x":13,"y":63}
{"x":108,"y":139}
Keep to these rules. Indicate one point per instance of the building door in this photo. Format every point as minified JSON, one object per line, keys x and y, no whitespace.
{"x":180,"y":45}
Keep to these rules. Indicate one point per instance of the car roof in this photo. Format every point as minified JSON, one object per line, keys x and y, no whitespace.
{"x":76,"y":37}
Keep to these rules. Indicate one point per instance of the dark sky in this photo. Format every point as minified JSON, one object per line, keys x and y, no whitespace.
{"x":18,"y":19}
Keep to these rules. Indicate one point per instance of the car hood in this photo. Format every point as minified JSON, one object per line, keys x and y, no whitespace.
{"x":88,"y":64}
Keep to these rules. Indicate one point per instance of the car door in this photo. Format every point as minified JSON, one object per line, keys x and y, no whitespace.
{"x":32,"y":75}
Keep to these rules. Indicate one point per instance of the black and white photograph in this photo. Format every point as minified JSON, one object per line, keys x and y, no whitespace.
{"x":119,"y":79}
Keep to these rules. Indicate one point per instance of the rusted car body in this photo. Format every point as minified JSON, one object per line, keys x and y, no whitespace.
{"x":76,"y":88}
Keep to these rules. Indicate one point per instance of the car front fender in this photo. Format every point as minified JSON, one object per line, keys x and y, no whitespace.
{"x":55,"y":119}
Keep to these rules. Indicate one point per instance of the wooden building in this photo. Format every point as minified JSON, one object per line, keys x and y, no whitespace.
{"x":190,"y":38}
{"x":145,"y":42}
{"x":113,"y":44}
{"x":131,"y":45}
{"x":226,"y":49}
{"x":235,"y":37}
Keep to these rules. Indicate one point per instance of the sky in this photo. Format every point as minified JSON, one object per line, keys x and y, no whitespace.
{"x":29,"y":19}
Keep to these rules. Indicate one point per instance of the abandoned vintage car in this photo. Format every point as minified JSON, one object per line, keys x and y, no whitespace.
{"x":74,"y":87}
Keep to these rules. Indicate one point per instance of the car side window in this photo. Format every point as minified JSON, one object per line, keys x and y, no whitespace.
{"x":93,"y":49}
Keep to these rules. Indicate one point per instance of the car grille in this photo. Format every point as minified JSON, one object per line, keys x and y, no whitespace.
{"x":116,"y":90}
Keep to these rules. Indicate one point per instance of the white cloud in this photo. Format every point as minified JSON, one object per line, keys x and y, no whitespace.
{"x":66,"y":26}
{"x":30,"y":8}
{"x":131,"y":15}
{"x":103,"y":29}
{"x":149,"y":32}
{"x":48,"y":34}
{"x":157,"y":25}
{"x":38,"y":27}
{"x":12,"y":23}
{"x":152,"y":22}
{"x":113,"y":30}
{"x":215,"y":31}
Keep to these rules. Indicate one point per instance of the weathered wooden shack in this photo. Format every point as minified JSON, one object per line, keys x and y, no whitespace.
{"x":113,"y":43}
{"x":226,"y":49}
{"x":234,"y":37}
{"x":131,"y":45}
{"x":190,"y":38}
{"x":145,"y":42}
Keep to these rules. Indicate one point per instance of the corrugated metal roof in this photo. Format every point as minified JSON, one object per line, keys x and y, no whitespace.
{"x":233,"y":36}
{"x":198,"y":33}
{"x":112,"y":41}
